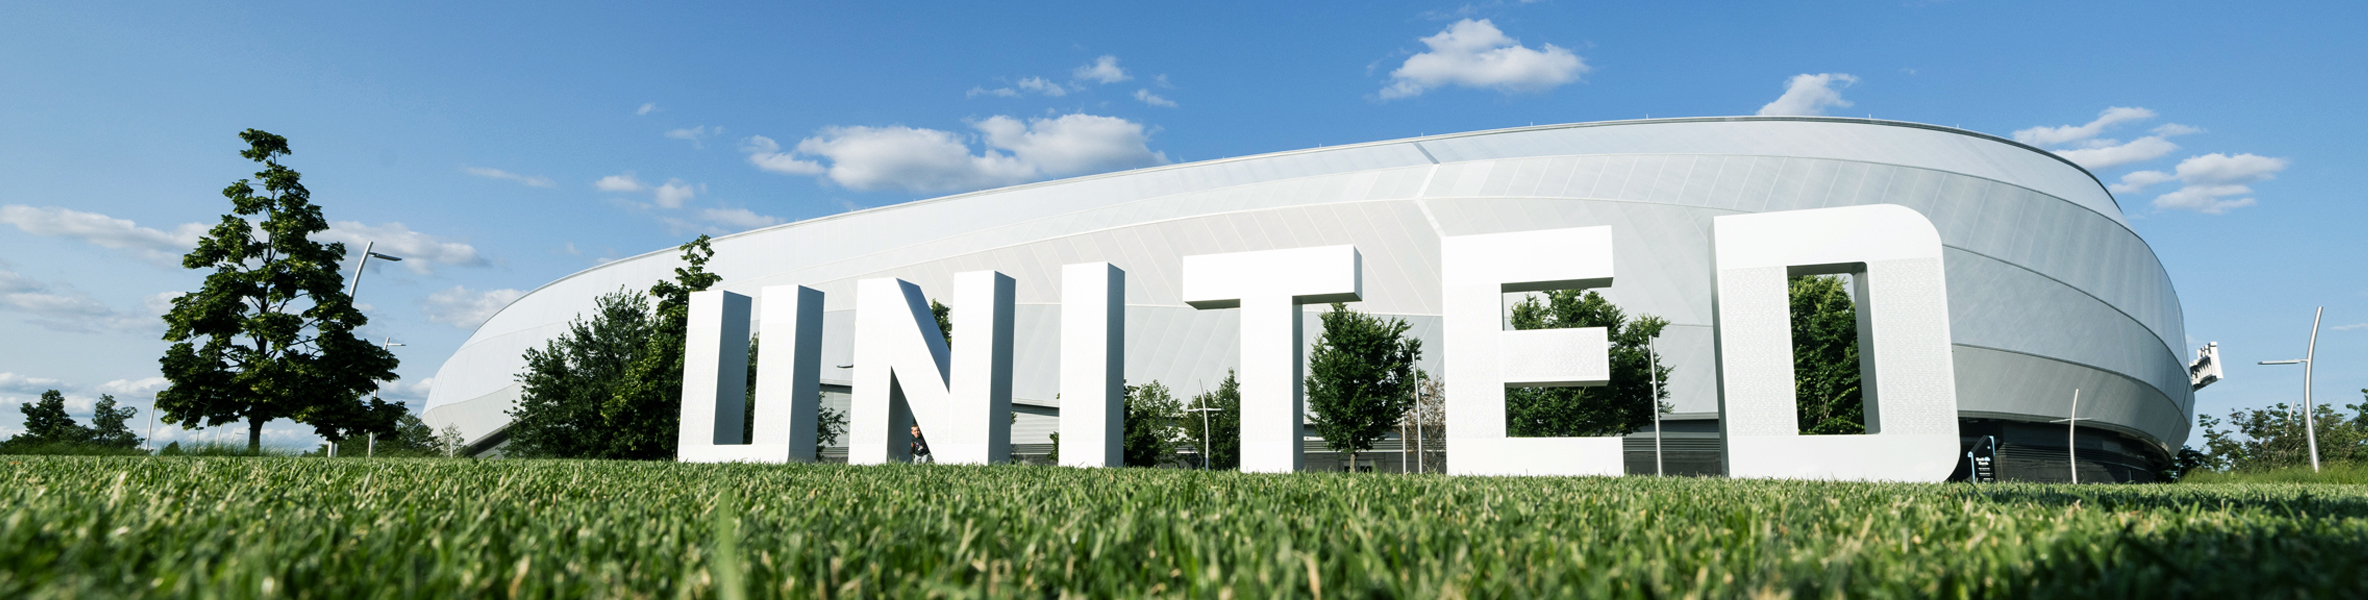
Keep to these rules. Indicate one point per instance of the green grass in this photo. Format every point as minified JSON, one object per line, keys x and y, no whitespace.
{"x":286,"y":527}
{"x":2330,"y":472}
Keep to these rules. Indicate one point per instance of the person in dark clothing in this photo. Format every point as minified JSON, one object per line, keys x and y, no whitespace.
{"x":920,"y":448}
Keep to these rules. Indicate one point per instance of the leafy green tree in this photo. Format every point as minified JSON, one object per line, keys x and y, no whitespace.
{"x":1825,"y":357}
{"x":1360,"y":378}
{"x":2270,"y":438}
{"x":573,"y":375}
{"x":945,"y":320}
{"x":645,"y":415}
{"x":1221,"y":429}
{"x":411,"y":438}
{"x":270,"y":335}
{"x":1151,"y":414}
{"x":110,"y":426}
{"x":1624,"y":405}
{"x":47,"y":424}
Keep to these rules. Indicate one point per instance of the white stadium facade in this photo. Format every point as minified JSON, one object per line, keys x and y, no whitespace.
{"x":2049,"y":289}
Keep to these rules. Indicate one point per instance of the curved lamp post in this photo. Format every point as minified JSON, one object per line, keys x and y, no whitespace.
{"x":2310,"y":430}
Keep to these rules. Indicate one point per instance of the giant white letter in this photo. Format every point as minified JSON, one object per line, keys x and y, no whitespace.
{"x":788,"y":387}
{"x":1903,"y":315}
{"x":903,"y":371}
{"x":1093,"y":365}
{"x":1483,"y":358}
{"x":1269,"y":286}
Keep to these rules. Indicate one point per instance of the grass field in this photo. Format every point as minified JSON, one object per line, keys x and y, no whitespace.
{"x":321,"y":528}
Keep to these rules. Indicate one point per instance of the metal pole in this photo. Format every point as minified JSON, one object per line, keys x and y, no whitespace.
{"x":1652,"y":369}
{"x":357,"y":282}
{"x":1420,"y":447}
{"x":2310,"y":430}
{"x":150,"y":441}
{"x":2071,"y":438}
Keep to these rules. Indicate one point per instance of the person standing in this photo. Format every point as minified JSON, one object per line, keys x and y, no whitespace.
{"x":919,"y":448}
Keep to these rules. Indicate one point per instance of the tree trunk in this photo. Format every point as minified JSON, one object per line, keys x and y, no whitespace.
{"x":255,"y":436}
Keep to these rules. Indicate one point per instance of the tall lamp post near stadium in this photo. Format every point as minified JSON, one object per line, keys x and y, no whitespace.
{"x":1652,"y":373}
{"x":1204,"y":410}
{"x":2310,"y":430}
{"x":356,"y":286}
{"x":2072,"y":436}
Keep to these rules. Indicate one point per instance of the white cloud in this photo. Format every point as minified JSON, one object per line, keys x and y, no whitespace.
{"x":1810,"y":94}
{"x":976,"y":91}
{"x":2209,"y":181}
{"x":491,"y":173}
{"x":419,"y":251}
{"x":646,"y":108}
{"x":2137,"y":181}
{"x":135,"y":388}
{"x":60,"y":307}
{"x":929,"y":160}
{"x":2051,"y":136}
{"x":1475,"y":54}
{"x":2352,"y":327}
{"x":1103,"y":70}
{"x":1147,"y":97}
{"x":463,"y":308}
{"x":738,"y":217}
{"x":2110,"y":154}
{"x":23,"y":384}
{"x":2171,"y":129}
{"x":623,"y":182}
{"x":766,"y":154}
{"x":105,"y":231}
{"x":696,"y":135}
{"x":673,"y":194}
{"x":1042,"y":86}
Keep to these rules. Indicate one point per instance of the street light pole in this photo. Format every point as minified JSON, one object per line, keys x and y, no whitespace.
{"x":350,"y":290}
{"x":2072,"y":436}
{"x":1652,"y":373}
{"x":2310,"y":430}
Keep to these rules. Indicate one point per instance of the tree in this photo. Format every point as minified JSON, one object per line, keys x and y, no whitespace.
{"x":110,"y":426}
{"x":2271,"y":438}
{"x":1360,"y":378}
{"x":645,"y":415}
{"x":46,"y":423}
{"x":1151,"y":414}
{"x":411,"y":438}
{"x":270,"y":335}
{"x":945,"y":320}
{"x":1624,"y":405}
{"x":1220,"y":429}
{"x":1825,"y":357}
{"x":573,"y":375}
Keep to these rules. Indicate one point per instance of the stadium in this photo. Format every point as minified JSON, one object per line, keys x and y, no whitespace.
{"x":2049,"y":289}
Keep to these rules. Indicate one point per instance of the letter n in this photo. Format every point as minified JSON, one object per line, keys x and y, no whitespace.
{"x":904,"y":373}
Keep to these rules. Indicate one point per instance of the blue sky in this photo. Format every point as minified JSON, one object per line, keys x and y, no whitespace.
{"x":500,"y":147}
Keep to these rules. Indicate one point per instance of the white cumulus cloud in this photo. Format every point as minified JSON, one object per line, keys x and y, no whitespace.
{"x":1104,"y":70}
{"x":697,"y":136}
{"x":1147,"y":97}
{"x":162,"y":247}
{"x":492,"y":173}
{"x":61,"y":307}
{"x":145,"y":387}
{"x":2113,"y":153}
{"x":930,"y":160}
{"x":2208,"y":182}
{"x":738,"y":217}
{"x":622,"y":182}
{"x":673,"y":193}
{"x":1043,"y":86}
{"x":646,"y":108}
{"x":2052,"y":136}
{"x":419,"y":251}
{"x":25,"y":384}
{"x":1810,"y":94}
{"x":464,"y":308}
{"x":1475,"y":54}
